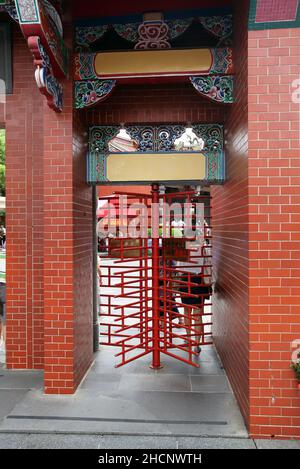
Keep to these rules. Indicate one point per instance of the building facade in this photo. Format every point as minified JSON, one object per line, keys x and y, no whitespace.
{"x":256,"y":216}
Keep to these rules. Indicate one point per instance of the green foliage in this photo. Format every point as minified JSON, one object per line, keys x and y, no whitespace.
{"x":2,"y":162}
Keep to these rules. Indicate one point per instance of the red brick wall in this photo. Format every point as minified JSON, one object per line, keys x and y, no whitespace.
{"x":24,"y":191}
{"x":230,"y":233}
{"x":274,"y":216}
{"x":155,"y":103}
{"x":49,"y":234}
{"x":83,"y":252}
{"x":68,"y":250}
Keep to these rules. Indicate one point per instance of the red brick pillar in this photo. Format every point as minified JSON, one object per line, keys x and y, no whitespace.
{"x":24,"y":208}
{"x":274,"y":231}
{"x":67,"y":251}
{"x":49,"y":233}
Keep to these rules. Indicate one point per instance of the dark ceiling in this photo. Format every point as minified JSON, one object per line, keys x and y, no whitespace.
{"x":93,"y":9}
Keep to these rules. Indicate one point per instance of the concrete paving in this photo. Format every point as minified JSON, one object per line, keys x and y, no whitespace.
{"x":176,"y":400}
{"x":177,"y":407}
{"x":69,"y":441}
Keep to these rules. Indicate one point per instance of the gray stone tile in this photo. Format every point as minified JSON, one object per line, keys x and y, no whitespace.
{"x":104,"y":382}
{"x":215,"y":443}
{"x":177,"y":413}
{"x":11,"y":379}
{"x":205,"y":368}
{"x":48,"y":441}
{"x":210,"y":383}
{"x":134,"y":399}
{"x":277,"y":444}
{"x":8,"y":399}
{"x":155,"y":382}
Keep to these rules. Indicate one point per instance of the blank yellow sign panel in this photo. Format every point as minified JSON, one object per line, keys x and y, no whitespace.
{"x":150,"y":167}
{"x":149,"y":62}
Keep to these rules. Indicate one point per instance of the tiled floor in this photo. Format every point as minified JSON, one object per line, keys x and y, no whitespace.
{"x":178,"y":399}
{"x":134,"y":399}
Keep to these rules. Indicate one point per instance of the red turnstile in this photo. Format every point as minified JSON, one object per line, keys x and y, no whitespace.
{"x":155,"y":293}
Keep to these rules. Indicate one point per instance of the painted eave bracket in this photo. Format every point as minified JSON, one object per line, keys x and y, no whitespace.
{"x":42,"y":27}
{"x":217,"y":88}
{"x":89,"y":93}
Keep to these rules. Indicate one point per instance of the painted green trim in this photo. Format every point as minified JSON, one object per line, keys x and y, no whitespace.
{"x":253,"y":26}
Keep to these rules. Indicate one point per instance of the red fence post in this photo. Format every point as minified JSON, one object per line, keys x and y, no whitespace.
{"x":155,"y":276}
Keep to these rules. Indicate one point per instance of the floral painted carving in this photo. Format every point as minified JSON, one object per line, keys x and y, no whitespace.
{"x":85,"y":36}
{"x":217,"y":88}
{"x":178,"y":27}
{"x":128,"y":31}
{"x":88,"y":93}
{"x":155,"y":137}
{"x":219,"y":26}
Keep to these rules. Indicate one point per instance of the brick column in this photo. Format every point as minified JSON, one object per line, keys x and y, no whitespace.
{"x":68,"y":250}
{"x":274,"y":232}
{"x":24,"y":202}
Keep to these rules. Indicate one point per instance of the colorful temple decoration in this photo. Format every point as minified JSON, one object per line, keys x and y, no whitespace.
{"x":219,"y":26}
{"x":153,"y":63}
{"x":178,"y":27}
{"x":217,"y":88}
{"x":155,"y":138}
{"x":222,"y":61}
{"x":46,"y":81}
{"x":9,"y":6}
{"x":86,"y":35}
{"x":213,"y":138}
{"x":41,"y":25}
{"x":153,"y":35}
{"x":127,"y":31}
{"x":156,"y":141}
{"x":92,"y":92}
{"x":37,"y":18}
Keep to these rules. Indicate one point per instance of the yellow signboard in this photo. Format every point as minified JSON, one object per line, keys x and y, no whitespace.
{"x":153,"y":63}
{"x":143,"y":167}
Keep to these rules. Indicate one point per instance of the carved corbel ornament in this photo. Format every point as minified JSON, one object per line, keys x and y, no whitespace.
{"x":46,"y":81}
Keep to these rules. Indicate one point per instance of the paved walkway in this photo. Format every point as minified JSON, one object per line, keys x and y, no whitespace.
{"x":129,"y":407}
{"x":176,"y":400}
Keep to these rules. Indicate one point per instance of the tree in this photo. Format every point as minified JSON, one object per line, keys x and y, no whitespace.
{"x":2,"y":162}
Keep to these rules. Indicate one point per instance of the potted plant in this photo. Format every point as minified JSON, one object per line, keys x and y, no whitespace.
{"x":296,"y":367}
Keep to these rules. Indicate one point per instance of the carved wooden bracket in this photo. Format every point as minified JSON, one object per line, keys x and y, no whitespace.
{"x":42,"y":27}
{"x":217,"y":88}
{"x":46,"y":81}
{"x":88,"y":93}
